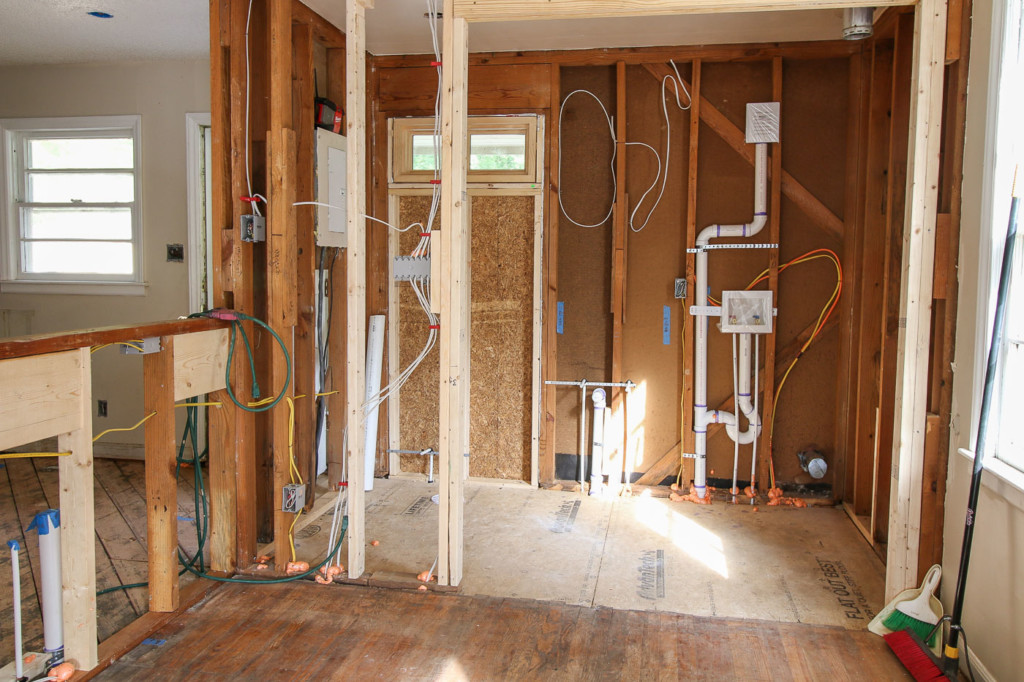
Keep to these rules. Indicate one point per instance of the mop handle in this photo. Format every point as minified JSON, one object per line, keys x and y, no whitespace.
{"x":16,"y":598}
{"x":998,"y":330}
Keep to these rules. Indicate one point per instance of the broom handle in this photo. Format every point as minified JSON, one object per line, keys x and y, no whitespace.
{"x":951,"y":655}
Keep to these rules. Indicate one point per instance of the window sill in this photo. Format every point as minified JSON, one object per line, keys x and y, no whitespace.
{"x":1001,"y":478}
{"x":75,"y":288}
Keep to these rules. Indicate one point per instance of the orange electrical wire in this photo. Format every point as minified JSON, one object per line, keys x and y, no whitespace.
{"x":823,"y":317}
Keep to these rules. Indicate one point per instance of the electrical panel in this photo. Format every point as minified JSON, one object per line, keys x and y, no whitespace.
{"x":747,"y":312}
{"x":331,"y":189}
{"x":762,"y":122}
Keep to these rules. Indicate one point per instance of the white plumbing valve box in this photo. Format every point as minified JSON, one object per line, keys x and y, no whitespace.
{"x":762,"y":122}
{"x":747,"y":312}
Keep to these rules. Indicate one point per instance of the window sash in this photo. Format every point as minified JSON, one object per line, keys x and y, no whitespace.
{"x":17,"y":136}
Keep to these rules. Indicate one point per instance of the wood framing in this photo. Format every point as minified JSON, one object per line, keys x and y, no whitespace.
{"x":916,"y":296}
{"x":161,"y":482}
{"x":454,"y":289}
{"x":528,"y":10}
{"x":355,"y":261}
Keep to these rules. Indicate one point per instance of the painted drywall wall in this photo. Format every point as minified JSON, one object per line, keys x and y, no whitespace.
{"x":994,"y":612}
{"x":162,"y":92}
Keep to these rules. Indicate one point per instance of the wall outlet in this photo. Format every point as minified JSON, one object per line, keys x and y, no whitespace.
{"x":101,"y":408}
{"x":175,"y":253}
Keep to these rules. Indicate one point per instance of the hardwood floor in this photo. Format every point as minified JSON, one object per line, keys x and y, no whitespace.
{"x":29,"y":486}
{"x":303,"y":631}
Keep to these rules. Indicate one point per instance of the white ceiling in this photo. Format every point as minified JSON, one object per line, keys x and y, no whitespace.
{"x":399,"y":27}
{"x":61,"y":31}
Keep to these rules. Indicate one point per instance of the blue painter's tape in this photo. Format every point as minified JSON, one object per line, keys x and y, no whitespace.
{"x":185,"y":518}
{"x":154,"y":642}
{"x":560,"y":321}
{"x":666,"y":325}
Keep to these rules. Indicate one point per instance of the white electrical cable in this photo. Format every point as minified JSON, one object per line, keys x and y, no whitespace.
{"x":248,"y":178}
{"x":662,"y":172}
{"x":422,"y":248}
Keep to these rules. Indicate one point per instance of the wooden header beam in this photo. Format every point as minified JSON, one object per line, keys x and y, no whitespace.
{"x":528,"y":10}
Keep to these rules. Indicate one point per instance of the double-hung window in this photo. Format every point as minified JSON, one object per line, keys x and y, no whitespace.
{"x":1007,"y":152}
{"x":71,"y":199}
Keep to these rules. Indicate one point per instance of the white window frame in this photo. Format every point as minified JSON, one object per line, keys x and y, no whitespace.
{"x":997,"y":178}
{"x":12,"y":279}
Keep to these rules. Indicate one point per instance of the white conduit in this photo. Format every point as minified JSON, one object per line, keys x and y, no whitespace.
{"x":701,"y":415}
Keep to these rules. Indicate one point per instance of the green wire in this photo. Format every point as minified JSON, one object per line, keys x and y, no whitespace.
{"x":231,"y":352}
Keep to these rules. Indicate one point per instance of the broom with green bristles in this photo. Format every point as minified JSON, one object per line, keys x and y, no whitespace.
{"x":916,"y":613}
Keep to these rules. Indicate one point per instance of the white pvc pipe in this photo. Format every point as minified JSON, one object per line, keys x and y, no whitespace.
{"x":597,"y":444}
{"x":374,"y":365}
{"x":735,"y":393}
{"x":753,"y":455}
{"x":702,"y":416}
{"x":16,"y":596}
{"x":47,"y":524}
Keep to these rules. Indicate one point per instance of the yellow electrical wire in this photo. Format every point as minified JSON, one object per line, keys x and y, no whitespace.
{"x":20,"y":455}
{"x":130,"y":428}
{"x":131,"y":344}
{"x":291,"y":532}
{"x":213,"y":404}
{"x":682,"y":400}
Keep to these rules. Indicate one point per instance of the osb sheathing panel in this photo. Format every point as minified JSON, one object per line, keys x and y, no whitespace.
{"x":418,"y":402}
{"x":584,"y":254}
{"x":502,"y":337}
{"x":501,"y":341}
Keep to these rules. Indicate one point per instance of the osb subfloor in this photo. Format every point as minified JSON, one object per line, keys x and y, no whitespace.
{"x":343,"y":632}
{"x":644,"y":553}
{"x":29,"y":486}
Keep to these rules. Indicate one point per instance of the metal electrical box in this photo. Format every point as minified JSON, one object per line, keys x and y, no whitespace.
{"x":331,"y":189}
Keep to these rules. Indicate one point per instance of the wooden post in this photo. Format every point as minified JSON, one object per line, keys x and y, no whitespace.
{"x":240,"y":277}
{"x":281,"y":247}
{"x":916,"y":295}
{"x":161,"y":482}
{"x":549,"y":364}
{"x":78,"y":529}
{"x":454,"y":290}
{"x":774,"y":223}
{"x":223,"y":513}
{"x":304,"y":359}
{"x":618,"y":273}
{"x":355,"y":258}
{"x":686,"y":435}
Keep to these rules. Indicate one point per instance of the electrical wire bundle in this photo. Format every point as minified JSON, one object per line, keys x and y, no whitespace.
{"x":662,"y":172}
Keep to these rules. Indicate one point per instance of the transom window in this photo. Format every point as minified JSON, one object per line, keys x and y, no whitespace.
{"x":501,"y":149}
{"x":72,"y":200}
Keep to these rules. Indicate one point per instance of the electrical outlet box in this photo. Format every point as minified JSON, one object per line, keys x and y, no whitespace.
{"x":254,"y":228}
{"x":680,"y":288}
{"x":762,"y":122}
{"x":143,"y":347}
{"x":747,"y":312}
{"x":293,"y":497}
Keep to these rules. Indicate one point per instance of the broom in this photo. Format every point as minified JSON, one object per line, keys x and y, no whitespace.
{"x":911,"y":651}
{"x":916,"y":614}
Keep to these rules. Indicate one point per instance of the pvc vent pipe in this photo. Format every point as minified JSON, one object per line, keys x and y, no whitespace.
{"x":374,"y":365}
{"x":16,"y":598}
{"x":597,"y":445}
{"x":858,"y":23}
{"x":47,"y":524}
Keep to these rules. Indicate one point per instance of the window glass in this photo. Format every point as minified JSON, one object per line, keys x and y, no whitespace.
{"x":80,"y":153}
{"x":492,"y":151}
